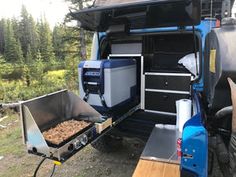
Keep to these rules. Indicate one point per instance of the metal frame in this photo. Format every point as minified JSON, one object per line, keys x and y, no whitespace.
{"x":160,"y":112}
{"x":143,"y":89}
{"x":39,"y":113}
{"x":167,"y":91}
{"x":167,"y":74}
{"x":142,"y":83}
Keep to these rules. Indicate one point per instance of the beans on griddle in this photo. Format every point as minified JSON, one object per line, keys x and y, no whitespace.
{"x":64,"y":131}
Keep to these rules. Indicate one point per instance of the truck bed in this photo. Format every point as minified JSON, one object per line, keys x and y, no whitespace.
{"x":141,"y":123}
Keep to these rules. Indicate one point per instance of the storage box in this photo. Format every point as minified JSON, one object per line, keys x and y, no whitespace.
{"x":105,"y":84}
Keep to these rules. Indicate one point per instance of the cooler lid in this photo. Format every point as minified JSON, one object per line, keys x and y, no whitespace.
{"x":138,"y":14}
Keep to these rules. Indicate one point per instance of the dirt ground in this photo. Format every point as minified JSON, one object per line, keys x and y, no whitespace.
{"x":89,"y":162}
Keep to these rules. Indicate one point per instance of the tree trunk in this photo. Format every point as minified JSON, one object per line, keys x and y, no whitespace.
{"x":83,"y":53}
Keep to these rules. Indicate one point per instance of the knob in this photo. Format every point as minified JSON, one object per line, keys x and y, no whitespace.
{"x":77,"y":144}
{"x":165,"y":97}
{"x":166,"y":83}
{"x":71,"y":147}
{"x":84,"y":140}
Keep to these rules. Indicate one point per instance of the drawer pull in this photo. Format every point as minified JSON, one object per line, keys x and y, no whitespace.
{"x":166,"y":83}
{"x":165,"y":97}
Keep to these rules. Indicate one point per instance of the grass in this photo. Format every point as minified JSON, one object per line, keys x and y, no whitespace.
{"x":11,"y":137}
{"x":59,"y":74}
{"x":16,"y":162}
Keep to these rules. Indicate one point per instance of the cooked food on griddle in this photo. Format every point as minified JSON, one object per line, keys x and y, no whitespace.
{"x":64,"y":131}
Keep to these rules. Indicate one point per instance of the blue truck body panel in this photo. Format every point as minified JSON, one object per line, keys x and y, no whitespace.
{"x":195,"y":144}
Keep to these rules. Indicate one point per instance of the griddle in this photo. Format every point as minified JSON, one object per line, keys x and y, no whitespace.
{"x":50,"y":144}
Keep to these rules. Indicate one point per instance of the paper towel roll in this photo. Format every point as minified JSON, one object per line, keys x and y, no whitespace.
{"x":184,"y":112}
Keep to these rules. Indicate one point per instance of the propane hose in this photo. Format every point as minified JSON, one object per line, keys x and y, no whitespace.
{"x":41,"y":162}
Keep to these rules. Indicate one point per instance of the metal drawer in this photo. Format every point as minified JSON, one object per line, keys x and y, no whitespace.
{"x":171,"y":81}
{"x":162,"y":101}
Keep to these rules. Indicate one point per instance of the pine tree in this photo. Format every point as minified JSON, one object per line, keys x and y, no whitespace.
{"x":16,"y":28}
{"x":2,"y":37}
{"x":39,"y":68}
{"x":58,"y":40}
{"x":27,"y":33}
{"x":79,"y":5}
{"x":12,"y":48}
{"x":45,"y":38}
{"x":28,"y":55}
{"x":27,"y":71}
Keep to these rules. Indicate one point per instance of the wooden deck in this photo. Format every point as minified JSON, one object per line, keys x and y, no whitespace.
{"x":150,"y":168}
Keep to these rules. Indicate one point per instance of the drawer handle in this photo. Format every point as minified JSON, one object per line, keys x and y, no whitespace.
{"x":165,"y":97}
{"x":166,"y":83}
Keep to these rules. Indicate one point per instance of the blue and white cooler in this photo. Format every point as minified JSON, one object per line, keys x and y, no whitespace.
{"x":105,"y":84}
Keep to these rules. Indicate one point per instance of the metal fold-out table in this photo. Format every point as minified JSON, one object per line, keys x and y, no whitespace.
{"x":159,"y":157}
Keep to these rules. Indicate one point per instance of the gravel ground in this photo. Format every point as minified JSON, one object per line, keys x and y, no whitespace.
{"x":90,"y":162}
{"x":15,"y":162}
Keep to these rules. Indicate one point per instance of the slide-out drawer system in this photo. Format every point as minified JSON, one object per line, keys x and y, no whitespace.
{"x":162,"y":101}
{"x":162,"y":90}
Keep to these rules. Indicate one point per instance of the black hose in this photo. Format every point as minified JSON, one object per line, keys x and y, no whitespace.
{"x":41,"y":162}
{"x":53,"y":170}
{"x":232,"y":155}
{"x":224,"y":112}
{"x":36,"y":170}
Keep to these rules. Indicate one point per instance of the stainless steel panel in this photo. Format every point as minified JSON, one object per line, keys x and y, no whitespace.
{"x":162,"y":144}
{"x":57,"y":107}
{"x":46,"y":111}
{"x":35,"y":138}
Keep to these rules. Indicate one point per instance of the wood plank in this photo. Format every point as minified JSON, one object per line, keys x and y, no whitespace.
{"x":148,"y":168}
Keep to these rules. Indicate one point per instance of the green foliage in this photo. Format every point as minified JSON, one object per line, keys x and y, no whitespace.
{"x":84,"y":37}
{"x":5,"y":68}
{"x":16,"y":90}
{"x":71,"y":75}
{"x":38,"y":69}
{"x":58,"y":39}
{"x":36,"y":61}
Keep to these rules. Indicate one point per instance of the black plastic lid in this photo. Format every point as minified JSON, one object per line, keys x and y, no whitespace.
{"x":142,"y":14}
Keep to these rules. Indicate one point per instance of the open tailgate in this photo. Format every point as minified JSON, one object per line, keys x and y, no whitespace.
{"x":139,"y":14}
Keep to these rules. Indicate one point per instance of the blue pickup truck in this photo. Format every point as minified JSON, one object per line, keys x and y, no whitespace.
{"x":160,"y":70}
{"x":183,"y":49}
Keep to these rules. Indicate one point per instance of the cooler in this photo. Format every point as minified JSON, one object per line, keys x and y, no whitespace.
{"x":105,"y":84}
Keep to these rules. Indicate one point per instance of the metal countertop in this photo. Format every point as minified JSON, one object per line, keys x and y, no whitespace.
{"x":162,"y":144}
